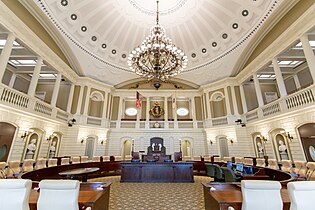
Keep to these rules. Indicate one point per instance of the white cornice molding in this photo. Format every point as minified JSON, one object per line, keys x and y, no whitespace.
{"x":301,"y":26}
{"x":12,"y":23}
{"x":94,"y":84}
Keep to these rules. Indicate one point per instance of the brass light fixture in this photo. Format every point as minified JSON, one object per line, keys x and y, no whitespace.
{"x":157,"y":58}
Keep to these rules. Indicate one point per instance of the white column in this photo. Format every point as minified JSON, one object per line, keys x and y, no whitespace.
{"x":56,"y":90}
{"x":147,"y":114}
{"x":105,"y":105}
{"x":80,"y":100}
{"x":297,"y":81}
{"x":70,"y":99}
{"x":208,"y":106}
{"x":120,"y":108}
{"x":309,"y":54}
{"x":87,"y":100}
{"x":5,"y":54}
{"x":258,"y":91}
{"x":279,"y":78}
{"x":12,"y":80}
{"x":165,"y":113}
{"x":234,"y":100}
{"x":244,"y":104}
{"x":35,"y":77}
{"x":193,"y":111}
{"x":204,"y":106}
{"x":227,"y":101}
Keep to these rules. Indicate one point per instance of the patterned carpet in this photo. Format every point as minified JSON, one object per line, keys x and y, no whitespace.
{"x":155,"y":196}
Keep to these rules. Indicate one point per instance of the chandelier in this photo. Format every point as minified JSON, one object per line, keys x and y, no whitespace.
{"x":157,"y":58}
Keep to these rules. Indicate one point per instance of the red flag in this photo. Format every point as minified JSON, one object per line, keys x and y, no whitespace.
{"x":139,"y":99}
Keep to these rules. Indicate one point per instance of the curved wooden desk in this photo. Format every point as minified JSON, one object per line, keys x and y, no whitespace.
{"x":105,"y":169}
{"x":80,"y":173}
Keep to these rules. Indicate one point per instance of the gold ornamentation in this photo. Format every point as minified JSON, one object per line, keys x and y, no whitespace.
{"x":156,"y":110}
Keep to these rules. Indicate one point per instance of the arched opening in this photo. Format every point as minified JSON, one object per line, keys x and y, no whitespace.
{"x":259,"y":145}
{"x":32,"y":143}
{"x":281,"y":144}
{"x":7,"y":132}
{"x":127,"y":146}
{"x":90,"y":146}
{"x":307,"y":135}
{"x":54,"y":145}
{"x":186,"y":148}
{"x":223,"y":145}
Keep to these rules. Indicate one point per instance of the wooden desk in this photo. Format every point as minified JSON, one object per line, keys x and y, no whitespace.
{"x":157,"y":172}
{"x":80,"y":173}
{"x":227,"y":194}
{"x":89,"y":196}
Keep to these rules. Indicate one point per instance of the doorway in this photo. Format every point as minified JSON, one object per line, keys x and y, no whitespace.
{"x":186,"y":148}
{"x":126,"y":148}
{"x":89,"y":148}
{"x":7,"y":132}
{"x":224,"y":149}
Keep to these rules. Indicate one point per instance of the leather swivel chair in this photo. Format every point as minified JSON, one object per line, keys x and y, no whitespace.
{"x":300,"y":168}
{"x":128,"y":157}
{"x":3,"y":173}
{"x":273,"y":164}
{"x":226,"y":159}
{"x":210,"y":170}
{"x":239,"y":160}
{"x":301,"y":195}
{"x":58,"y":194}
{"x":28,"y":165}
{"x":14,"y":194}
{"x":40,"y":163}
{"x":84,"y":159}
{"x":197,"y":158}
{"x":96,"y":159}
{"x":218,"y":174}
{"x":311,"y":171}
{"x":261,"y":195}
{"x":217,"y":159}
{"x":186,"y":158}
{"x":52,"y":162}
{"x":13,"y":168}
{"x":207,"y":159}
{"x":106,"y":158}
{"x":248,"y":161}
{"x":65,"y":161}
{"x":75,"y":160}
{"x":118,"y":158}
{"x":229,"y":175}
{"x":287,"y":166}
{"x":260,"y":162}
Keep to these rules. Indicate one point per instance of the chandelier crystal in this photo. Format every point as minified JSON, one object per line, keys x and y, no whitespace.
{"x":157,"y":58}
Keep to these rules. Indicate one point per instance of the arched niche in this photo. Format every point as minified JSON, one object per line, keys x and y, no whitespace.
{"x":217,"y":104}
{"x":33,"y":143}
{"x":7,"y":133}
{"x":222,"y":143}
{"x":96,"y":104}
{"x":259,"y":144}
{"x":186,"y":148}
{"x":90,"y":146}
{"x":307,"y":136}
{"x":280,"y":144}
{"x":54,"y":144}
{"x":126,"y":148}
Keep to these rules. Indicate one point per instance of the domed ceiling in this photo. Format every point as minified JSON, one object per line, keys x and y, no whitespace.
{"x":212,"y":33}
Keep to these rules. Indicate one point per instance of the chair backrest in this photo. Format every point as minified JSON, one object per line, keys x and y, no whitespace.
{"x":65,"y":161}
{"x":217,"y":159}
{"x":301,"y":195}
{"x":287,"y":166}
{"x":3,"y":173}
{"x":311,"y":171}
{"x":261,"y":195}
{"x":273,"y":164}
{"x":13,"y":168}
{"x":40,"y":163}
{"x":28,"y":165}
{"x":239,"y":160}
{"x":14,"y":194}
{"x":218,"y":174}
{"x":106,"y":158}
{"x":248,"y":161}
{"x":207,"y":158}
{"x":260,"y":162}
{"x":210,"y":169}
{"x":186,"y":158}
{"x":96,"y":159}
{"x":58,"y":194}
{"x":84,"y":159}
{"x":300,"y":168}
{"x":52,"y":162}
{"x":128,"y":157}
{"x":118,"y":158}
{"x":75,"y":160}
{"x":197,"y":158}
{"x":229,"y":175}
{"x":226,"y":159}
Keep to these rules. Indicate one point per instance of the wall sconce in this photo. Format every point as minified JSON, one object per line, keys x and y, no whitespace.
{"x":102,"y":142}
{"x":71,"y":122}
{"x":231,"y":140}
{"x":287,"y":135}
{"x":82,"y":141}
{"x":51,"y":137}
{"x":211,"y":142}
{"x":264,"y":139}
{"x":26,"y":134}
{"x":240,"y":122}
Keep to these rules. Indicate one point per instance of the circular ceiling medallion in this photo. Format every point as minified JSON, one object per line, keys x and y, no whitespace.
{"x":165,"y":7}
{"x":131,"y":111}
{"x":182,"y":112}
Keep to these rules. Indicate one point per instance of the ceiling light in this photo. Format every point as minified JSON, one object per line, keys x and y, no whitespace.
{"x":157,"y":58}
{"x":131,"y":111}
{"x":182,"y":111}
